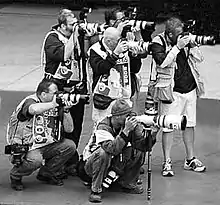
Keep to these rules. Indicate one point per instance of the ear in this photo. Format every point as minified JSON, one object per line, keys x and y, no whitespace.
{"x":43,"y":94}
{"x":170,"y":35}
{"x":63,"y":26}
{"x":112,"y":21}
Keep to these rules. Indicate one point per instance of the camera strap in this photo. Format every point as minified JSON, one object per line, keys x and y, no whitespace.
{"x":59,"y":123}
{"x":82,"y":58}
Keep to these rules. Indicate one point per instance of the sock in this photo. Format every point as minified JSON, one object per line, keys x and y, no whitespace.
{"x":189,"y":160}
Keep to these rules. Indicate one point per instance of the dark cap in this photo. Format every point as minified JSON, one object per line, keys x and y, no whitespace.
{"x":121,"y":107}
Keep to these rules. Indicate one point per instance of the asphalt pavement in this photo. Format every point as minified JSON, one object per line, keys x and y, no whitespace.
{"x":22,"y":29}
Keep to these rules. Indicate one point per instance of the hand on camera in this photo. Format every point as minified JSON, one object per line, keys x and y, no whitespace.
{"x":130,"y":36}
{"x":54,"y":101}
{"x":68,"y":104}
{"x":182,"y":41}
{"x":122,"y":24}
{"x":88,"y":31}
{"x":121,"y":48}
{"x":130,"y":124}
{"x":61,"y":100}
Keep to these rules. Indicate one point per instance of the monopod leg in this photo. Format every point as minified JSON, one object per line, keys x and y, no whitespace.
{"x":149,"y":171}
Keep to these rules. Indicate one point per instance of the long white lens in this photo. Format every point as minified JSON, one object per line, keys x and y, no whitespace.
{"x":176,"y":122}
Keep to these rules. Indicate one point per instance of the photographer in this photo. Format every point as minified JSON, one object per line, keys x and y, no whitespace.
{"x":61,"y":62}
{"x":177,"y":87}
{"x":111,"y":57}
{"x":117,"y":146}
{"x":39,"y":126}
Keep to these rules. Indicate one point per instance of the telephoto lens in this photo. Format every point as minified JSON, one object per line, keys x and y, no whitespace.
{"x":176,"y":122}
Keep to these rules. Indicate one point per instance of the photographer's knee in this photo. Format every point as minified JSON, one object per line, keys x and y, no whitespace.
{"x":70,"y":146}
{"x":34,"y":159}
{"x":103,"y":155}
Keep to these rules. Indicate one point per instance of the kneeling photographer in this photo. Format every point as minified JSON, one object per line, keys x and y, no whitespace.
{"x":35,"y":136}
{"x":116,"y":149}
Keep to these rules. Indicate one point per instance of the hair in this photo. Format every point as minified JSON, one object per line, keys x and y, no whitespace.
{"x":43,"y":86}
{"x":63,"y":14}
{"x":172,"y":24}
{"x":111,"y":14}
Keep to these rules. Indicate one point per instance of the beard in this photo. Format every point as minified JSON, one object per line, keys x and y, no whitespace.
{"x":68,"y":32}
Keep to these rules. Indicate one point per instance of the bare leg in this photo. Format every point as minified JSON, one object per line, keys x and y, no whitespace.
{"x":189,"y":139}
{"x":167,"y":142}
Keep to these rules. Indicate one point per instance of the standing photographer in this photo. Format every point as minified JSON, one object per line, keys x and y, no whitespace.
{"x":37,"y":123}
{"x":60,"y":59}
{"x":112,"y":58}
{"x":177,"y":87}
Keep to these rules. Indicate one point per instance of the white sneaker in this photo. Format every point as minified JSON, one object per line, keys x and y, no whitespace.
{"x":194,"y":165}
{"x":167,"y":169}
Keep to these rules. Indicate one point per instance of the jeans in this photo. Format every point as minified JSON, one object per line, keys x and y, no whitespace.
{"x":55,"y":156}
{"x":127,"y":166}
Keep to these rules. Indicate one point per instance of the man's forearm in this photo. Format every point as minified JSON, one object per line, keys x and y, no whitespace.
{"x":39,"y":108}
{"x":68,"y":122}
{"x":114,"y":147}
{"x":170,"y":57}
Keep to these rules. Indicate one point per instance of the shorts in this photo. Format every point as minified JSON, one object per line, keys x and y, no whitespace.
{"x":183,"y":104}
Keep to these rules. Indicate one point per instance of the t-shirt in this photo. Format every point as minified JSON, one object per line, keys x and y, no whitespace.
{"x":183,"y":77}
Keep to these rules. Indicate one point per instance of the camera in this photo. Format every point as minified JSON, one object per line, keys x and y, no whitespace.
{"x":74,"y":98}
{"x":139,"y":45}
{"x":95,"y":28}
{"x":84,"y":13}
{"x":200,"y":39}
{"x":17,"y":151}
{"x":137,"y":25}
{"x":190,"y":29}
{"x":176,"y":122}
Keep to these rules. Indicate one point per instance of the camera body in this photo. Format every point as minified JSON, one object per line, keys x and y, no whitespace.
{"x":137,"y":25}
{"x":17,"y":151}
{"x":74,"y":98}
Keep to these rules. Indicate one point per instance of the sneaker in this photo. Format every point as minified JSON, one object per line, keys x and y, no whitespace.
{"x":167,"y":169}
{"x":135,"y":189}
{"x":16,"y":184}
{"x":194,"y":165}
{"x":50,"y":180}
{"x":95,"y":197}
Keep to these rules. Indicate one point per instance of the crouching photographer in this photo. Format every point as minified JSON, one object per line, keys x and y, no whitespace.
{"x":116,"y":150}
{"x":35,"y":136}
